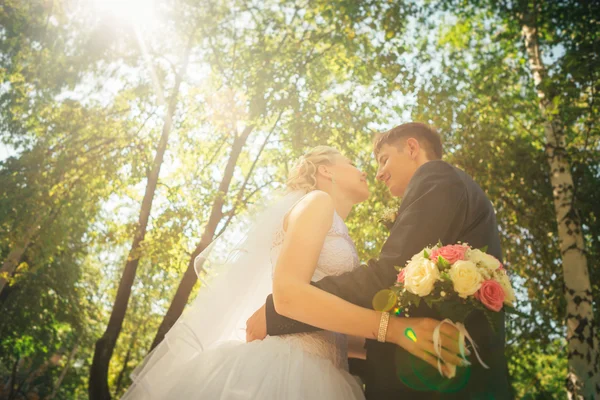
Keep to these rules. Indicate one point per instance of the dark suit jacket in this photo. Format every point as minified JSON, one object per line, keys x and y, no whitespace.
{"x":441,"y":203}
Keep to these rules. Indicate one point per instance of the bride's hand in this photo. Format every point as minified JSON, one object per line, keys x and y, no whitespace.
{"x":415,"y":335}
{"x":256,"y":325}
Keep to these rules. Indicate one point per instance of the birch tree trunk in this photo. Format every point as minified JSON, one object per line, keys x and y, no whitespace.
{"x":583,"y":379}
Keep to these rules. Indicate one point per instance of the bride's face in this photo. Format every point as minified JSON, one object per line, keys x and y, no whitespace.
{"x":349,"y":179}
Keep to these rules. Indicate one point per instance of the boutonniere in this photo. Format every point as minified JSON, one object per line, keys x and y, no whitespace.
{"x":389,"y":217}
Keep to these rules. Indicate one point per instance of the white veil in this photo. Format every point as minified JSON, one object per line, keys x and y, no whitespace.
{"x":236,"y":275}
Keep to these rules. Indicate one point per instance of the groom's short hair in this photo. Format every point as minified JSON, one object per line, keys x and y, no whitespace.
{"x":428,"y":138}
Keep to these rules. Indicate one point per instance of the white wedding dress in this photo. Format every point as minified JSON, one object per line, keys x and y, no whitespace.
{"x":305,"y":366}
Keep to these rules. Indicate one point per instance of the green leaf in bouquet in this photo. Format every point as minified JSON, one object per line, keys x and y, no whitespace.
{"x":442,"y":263}
{"x":417,"y":301}
{"x":397,"y":268}
{"x":445,"y":277}
{"x":428,"y":301}
{"x":439,"y":243}
{"x":426,"y":254}
{"x":434,"y":300}
{"x":484,"y":248}
{"x":456,"y":310}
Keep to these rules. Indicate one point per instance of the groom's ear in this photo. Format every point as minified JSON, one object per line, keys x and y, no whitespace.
{"x":413,"y":146}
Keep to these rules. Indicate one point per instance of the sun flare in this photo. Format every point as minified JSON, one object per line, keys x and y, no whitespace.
{"x":140,"y":13}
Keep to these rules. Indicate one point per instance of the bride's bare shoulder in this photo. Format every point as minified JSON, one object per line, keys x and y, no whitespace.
{"x":318,"y":198}
{"x":317,"y":204}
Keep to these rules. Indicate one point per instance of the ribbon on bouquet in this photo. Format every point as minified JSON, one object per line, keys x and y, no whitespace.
{"x":463,"y":335}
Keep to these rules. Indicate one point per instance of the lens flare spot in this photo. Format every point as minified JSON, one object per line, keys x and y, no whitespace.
{"x":397,"y":311}
{"x":384,"y":300}
{"x":409,"y":333}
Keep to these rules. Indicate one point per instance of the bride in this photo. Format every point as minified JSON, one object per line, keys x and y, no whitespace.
{"x":304,"y":237}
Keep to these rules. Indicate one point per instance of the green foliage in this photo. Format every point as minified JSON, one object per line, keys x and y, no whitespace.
{"x":43,"y":318}
{"x":538,"y":371}
{"x":83,"y":100}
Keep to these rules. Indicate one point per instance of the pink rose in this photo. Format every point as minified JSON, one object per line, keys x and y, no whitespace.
{"x":501,"y":267}
{"x":491,"y":295}
{"x":401,"y":275}
{"x":451,"y":253}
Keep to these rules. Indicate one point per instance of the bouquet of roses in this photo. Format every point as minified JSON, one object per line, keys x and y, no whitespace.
{"x":455,"y":280}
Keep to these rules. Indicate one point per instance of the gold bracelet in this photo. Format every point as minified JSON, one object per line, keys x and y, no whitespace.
{"x":383,"y":326}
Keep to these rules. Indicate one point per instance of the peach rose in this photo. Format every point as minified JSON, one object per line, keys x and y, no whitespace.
{"x":451,"y":253}
{"x":491,"y":295}
{"x":401,"y":275}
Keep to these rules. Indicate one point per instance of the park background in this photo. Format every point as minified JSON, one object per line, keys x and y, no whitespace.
{"x":133,"y":132}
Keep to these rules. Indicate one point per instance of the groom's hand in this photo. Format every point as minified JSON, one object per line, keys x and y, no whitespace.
{"x":256,"y":326}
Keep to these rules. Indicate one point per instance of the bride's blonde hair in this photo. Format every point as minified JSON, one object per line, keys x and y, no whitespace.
{"x":303,"y":175}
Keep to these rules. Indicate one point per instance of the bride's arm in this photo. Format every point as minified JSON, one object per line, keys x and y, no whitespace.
{"x":294,"y":296}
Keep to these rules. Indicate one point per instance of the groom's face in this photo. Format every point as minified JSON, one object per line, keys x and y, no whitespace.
{"x":396,"y":167}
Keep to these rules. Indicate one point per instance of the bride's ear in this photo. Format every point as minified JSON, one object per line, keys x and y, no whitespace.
{"x":324,"y":171}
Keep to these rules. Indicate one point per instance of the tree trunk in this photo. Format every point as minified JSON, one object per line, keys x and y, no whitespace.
{"x":98,"y":385}
{"x":14,"y":257}
{"x":125,"y":362}
{"x":63,"y":373}
{"x":189,"y":277}
{"x":583,"y":379}
{"x":13,"y":379}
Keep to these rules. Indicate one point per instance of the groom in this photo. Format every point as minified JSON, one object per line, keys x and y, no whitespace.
{"x":439,"y":202}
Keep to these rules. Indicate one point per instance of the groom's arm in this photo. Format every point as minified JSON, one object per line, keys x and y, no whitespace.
{"x":433,"y":209}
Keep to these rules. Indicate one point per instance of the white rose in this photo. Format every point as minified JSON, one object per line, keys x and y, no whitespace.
{"x":486,"y":261}
{"x":466,"y":278}
{"x":509,"y":294}
{"x":421,"y":255}
{"x":420,"y":276}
